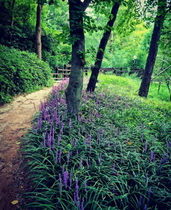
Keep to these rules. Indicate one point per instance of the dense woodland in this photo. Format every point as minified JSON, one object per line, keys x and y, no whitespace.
{"x":116,"y":34}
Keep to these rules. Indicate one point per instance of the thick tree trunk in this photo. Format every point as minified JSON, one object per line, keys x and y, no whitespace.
{"x":74,"y":89}
{"x":100,"y":53}
{"x":38,"y":31}
{"x":158,"y":24}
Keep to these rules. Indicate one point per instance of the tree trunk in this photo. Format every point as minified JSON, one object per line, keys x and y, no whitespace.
{"x":74,"y":89}
{"x":100,"y":53}
{"x":38,"y":31}
{"x":12,"y":20}
{"x":158,"y":24}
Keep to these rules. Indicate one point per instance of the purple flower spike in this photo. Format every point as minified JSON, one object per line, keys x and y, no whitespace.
{"x":152,"y":156}
{"x":145,"y":207}
{"x":76,"y":194}
{"x":81,"y":162}
{"x":60,"y":154}
{"x":82,"y":204}
{"x":70,"y":123}
{"x":100,"y":158}
{"x":56,"y":158}
{"x":140,"y":201}
{"x":87,"y":163}
{"x":60,"y":183}
{"x":70,"y":179}
{"x":146,"y":146}
{"x":85,"y":185}
{"x":65,"y":177}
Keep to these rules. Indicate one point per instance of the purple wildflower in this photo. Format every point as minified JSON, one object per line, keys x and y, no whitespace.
{"x":60,"y":154}
{"x":74,"y":142}
{"x":82,"y":204}
{"x":100,"y":158}
{"x":169,"y":144}
{"x":145,"y":207}
{"x":85,"y":185}
{"x":140,"y":200}
{"x":59,"y":139}
{"x":56,"y":157}
{"x":60,"y":183}
{"x":145,"y":146}
{"x":70,"y":179}
{"x":65,"y":177}
{"x":87,"y":162}
{"x":76,"y":194}
{"x":152,"y":156}
{"x":70,"y":123}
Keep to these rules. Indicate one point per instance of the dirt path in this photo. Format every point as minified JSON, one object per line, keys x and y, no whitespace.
{"x":15,"y":119}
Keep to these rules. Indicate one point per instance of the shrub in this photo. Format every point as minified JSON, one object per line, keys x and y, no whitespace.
{"x":21,"y":72}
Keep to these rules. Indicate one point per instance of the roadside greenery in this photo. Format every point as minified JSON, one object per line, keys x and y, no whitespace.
{"x":21,"y":72}
{"x":115,"y":156}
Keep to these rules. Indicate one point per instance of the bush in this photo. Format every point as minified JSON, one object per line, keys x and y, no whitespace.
{"x":21,"y":72}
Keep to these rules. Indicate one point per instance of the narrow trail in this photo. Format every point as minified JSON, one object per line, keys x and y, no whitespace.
{"x":15,"y":120}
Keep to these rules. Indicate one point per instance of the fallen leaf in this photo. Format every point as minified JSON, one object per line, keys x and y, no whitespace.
{"x":14,"y":202}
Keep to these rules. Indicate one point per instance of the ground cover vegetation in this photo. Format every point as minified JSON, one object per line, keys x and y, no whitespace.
{"x":116,"y":155}
{"x":21,"y":72}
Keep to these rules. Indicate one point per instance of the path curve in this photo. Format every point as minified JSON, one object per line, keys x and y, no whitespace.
{"x":15,"y":119}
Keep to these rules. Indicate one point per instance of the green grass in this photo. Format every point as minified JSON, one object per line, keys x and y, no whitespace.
{"x":116,"y":156}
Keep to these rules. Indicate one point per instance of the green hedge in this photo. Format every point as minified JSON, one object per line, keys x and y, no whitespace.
{"x":21,"y":72}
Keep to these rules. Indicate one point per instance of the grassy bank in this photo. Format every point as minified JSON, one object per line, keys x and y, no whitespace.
{"x":115,"y":156}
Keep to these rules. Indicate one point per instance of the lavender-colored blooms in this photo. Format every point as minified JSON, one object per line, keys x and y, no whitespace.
{"x":56,"y":156}
{"x":152,"y":156}
{"x":65,"y":178}
{"x":76,"y":194}
{"x":164,"y":159}
{"x":85,"y":185}
{"x":145,"y":207}
{"x":169,"y":144}
{"x":140,"y":200}
{"x":82,"y":204}
{"x":100,"y":158}
{"x":149,"y":193}
{"x":70,"y":123}
{"x":145,"y":146}
{"x":77,"y":152}
{"x":62,"y":128}
{"x":87,"y":162}
{"x":40,"y":123}
{"x":70,"y":179}
{"x":60,"y":183}
{"x":74,"y":142}
{"x":59,"y":139}
{"x":69,"y":156}
{"x":60,"y":154}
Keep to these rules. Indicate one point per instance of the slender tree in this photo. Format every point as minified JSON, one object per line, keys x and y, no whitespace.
{"x":102,"y":46}
{"x":38,"y":29}
{"x":158,"y":24}
{"x":74,"y":89}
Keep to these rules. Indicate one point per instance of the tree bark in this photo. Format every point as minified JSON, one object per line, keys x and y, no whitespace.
{"x":12,"y":20}
{"x":74,"y":90}
{"x":38,"y":31}
{"x":158,"y":24}
{"x":100,"y":53}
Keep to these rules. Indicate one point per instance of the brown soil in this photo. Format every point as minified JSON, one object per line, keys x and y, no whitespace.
{"x":15,"y":119}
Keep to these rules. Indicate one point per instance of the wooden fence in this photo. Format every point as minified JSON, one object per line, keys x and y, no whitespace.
{"x":65,"y":72}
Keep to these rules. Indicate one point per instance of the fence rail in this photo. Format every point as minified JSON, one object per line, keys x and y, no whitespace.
{"x":65,"y":73}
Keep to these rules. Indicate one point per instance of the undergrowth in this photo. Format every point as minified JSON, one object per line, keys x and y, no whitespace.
{"x":115,"y":156}
{"x":21,"y":72}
